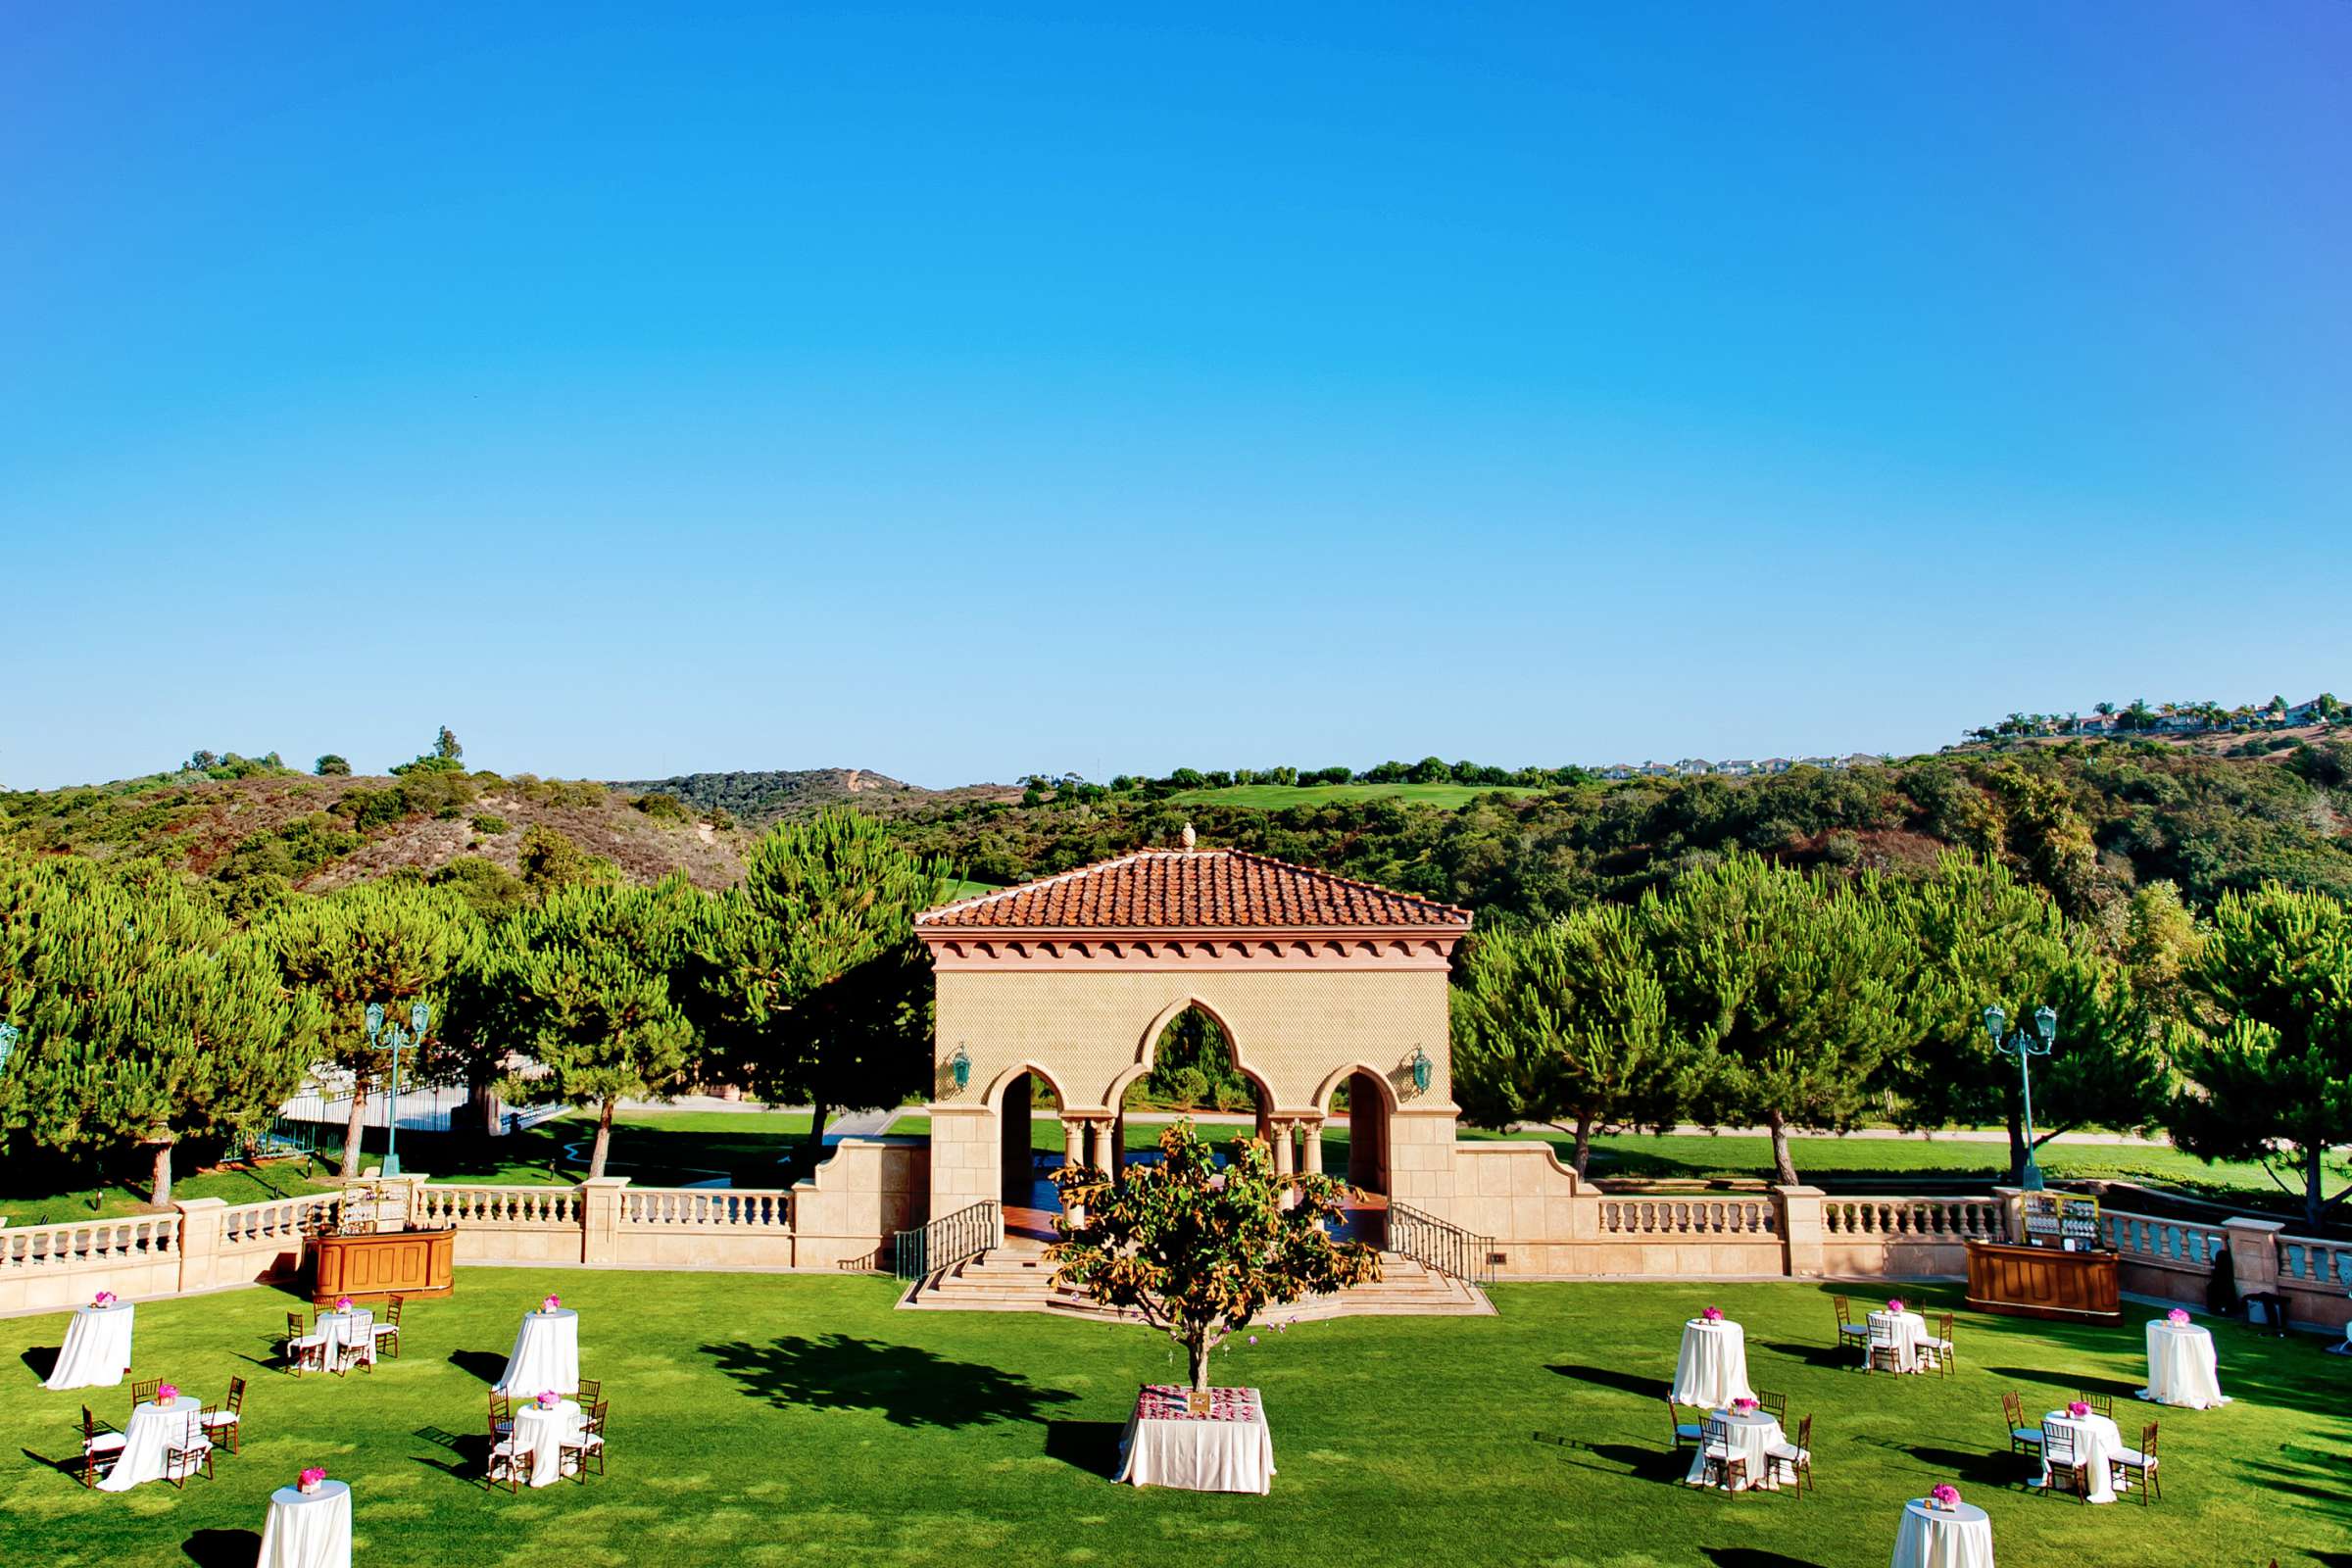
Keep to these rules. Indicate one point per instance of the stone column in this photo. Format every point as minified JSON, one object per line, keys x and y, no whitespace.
{"x":1281,"y":1148}
{"x":200,"y":1220}
{"x":2253,"y":1253}
{"x":600,"y":1218}
{"x":1801,"y":1230}
{"x":1118,"y":1147}
{"x":1310,"y":1146}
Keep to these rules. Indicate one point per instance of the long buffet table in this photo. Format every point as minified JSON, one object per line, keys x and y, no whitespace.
{"x":385,"y":1263}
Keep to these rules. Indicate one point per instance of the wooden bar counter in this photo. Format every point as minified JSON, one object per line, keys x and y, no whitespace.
{"x":371,"y":1268}
{"x":2076,"y":1287}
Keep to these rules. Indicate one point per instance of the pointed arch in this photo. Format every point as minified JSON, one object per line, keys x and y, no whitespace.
{"x":1148,"y":1049}
{"x":994,"y":1098}
{"x":1341,"y":1075}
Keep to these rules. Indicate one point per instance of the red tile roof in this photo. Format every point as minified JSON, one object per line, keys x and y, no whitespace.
{"x":1195,"y":889}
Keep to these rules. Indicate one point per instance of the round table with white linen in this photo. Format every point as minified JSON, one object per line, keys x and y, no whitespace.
{"x":97,"y":1348}
{"x":1958,"y":1536}
{"x":1711,"y":1370}
{"x":1907,"y":1329}
{"x":1747,"y":1435}
{"x":2096,"y":1442}
{"x":350,"y":1337}
{"x":308,"y":1530}
{"x":2182,"y":1369}
{"x":1225,"y":1447}
{"x":542,"y":1433}
{"x":546,"y":1358}
{"x":152,"y":1430}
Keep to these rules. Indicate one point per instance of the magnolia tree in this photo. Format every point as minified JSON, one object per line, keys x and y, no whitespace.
{"x":1198,"y":1250}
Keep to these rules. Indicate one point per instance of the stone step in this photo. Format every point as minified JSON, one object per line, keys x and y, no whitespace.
{"x":1008,"y":1279}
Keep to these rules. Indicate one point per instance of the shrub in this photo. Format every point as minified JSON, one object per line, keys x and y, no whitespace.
{"x":489,"y":826}
{"x":1188,"y":1087}
{"x":330,"y":766}
{"x":662,"y":808}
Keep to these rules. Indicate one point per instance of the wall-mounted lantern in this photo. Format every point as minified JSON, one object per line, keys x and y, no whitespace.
{"x":960,"y":1068}
{"x":1422,"y":1067}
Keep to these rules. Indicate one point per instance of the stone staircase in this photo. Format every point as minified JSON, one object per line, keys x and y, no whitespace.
{"x":1017,"y":1277}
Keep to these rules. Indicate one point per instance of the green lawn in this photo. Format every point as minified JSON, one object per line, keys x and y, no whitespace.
{"x":1281,"y":797}
{"x":776,"y":1419}
{"x":234,"y":1184}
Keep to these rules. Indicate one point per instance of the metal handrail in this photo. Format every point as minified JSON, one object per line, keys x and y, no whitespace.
{"x":1436,"y":1244}
{"x":947,"y":1242}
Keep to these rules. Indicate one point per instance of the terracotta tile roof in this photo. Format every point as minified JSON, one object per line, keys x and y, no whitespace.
{"x":1195,"y":889}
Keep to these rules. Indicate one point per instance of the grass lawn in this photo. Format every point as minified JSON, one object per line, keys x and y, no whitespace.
{"x":776,"y":1419}
{"x":234,"y":1184}
{"x":1281,"y":797}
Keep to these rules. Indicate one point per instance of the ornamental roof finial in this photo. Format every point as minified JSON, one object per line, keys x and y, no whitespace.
{"x":1190,"y":837}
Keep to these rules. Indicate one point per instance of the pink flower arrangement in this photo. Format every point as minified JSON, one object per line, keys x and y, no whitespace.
{"x":549,"y":1398}
{"x":1711,"y":1314}
{"x":103,"y":1298}
{"x":1894,"y":1304}
{"x":1743,"y":1407}
{"x":342,"y":1303}
{"x":312,"y":1478}
{"x":1945,"y":1496}
{"x":165,"y":1393}
{"x":2077,"y":1408}
{"x":2178,"y":1317}
{"x":550,"y":1303}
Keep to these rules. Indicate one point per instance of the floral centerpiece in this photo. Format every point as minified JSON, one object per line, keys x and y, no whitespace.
{"x":1894,"y":1304}
{"x":342,"y":1303}
{"x":1711,"y":1314}
{"x":2178,"y":1317}
{"x":311,"y":1480}
{"x":103,"y":1298}
{"x":549,"y":1398}
{"x":1743,"y":1407}
{"x":165,"y":1392}
{"x":551,"y":1304}
{"x":2077,"y":1408}
{"x":1945,"y":1496}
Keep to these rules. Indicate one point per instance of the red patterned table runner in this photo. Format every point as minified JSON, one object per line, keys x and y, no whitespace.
{"x":1168,"y":1401}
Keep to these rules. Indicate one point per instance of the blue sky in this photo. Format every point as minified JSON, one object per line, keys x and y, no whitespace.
{"x":962,"y":392}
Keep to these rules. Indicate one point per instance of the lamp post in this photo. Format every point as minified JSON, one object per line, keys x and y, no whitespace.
{"x":393,"y":1037}
{"x":2025,"y":1048}
{"x":10,"y":1034}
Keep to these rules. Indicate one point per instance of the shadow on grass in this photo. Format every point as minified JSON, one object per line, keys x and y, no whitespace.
{"x":1611,"y":1378}
{"x":1828,"y":1357}
{"x":2120,"y":1389}
{"x":1973,"y":1467}
{"x":1647,"y":1464}
{"x":484,"y":1364}
{"x":223,"y":1548}
{"x":70,"y":1467}
{"x":469,"y":1456}
{"x":41,"y":1360}
{"x":1755,"y":1557}
{"x":1088,"y":1445}
{"x":908,"y":1386}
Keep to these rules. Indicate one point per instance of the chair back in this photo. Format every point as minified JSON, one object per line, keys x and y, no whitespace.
{"x":293,"y":1324}
{"x":89,"y":1426}
{"x":237,"y":1395}
{"x":392,"y":1312}
{"x":1774,"y":1405}
{"x":2100,"y":1404}
{"x":590,"y":1390}
{"x":2014,"y":1408}
{"x":2058,"y":1442}
{"x":1881,"y":1334}
{"x":2147,"y":1441}
{"x":144,"y":1390}
{"x":502,"y":1406}
{"x":1805,"y":1434}
{"x":1845,"y":1314}
{"x":596,"y":1418}
{"x":1943,"y":1326}
{"x":192,"y":1431}
{"x":1717,"y":1430}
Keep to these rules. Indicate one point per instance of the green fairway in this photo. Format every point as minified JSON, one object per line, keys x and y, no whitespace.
{"x":770,"y":1419}
{"x":233,"y":1184}
{"x":1281,"y":797}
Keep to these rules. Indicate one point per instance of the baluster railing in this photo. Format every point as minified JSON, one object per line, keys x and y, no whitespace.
{"x":944,"y":1243}
{"x":1434,"y":1244}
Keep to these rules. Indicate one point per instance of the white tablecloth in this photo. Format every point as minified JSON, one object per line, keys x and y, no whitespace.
{"x":1749,"y":1434}
{"x":307,"y":1532}
{"x":1931,"y":1538}
{"x":542,"y":1434}
{"x":153,"y":1429}
{"x":1228,"y":1449}
{"x":2182,"y":1369}
{"x":97,"y":1348}
{"x":2096,"y":1442}
{"x":546,"y":1356}
{"x":1909,"y":1330}
{"x":1712,"y":1368}
{"x":350,"y":1334}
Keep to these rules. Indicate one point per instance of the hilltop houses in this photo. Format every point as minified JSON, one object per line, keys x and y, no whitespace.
{"x":1735,"y":767}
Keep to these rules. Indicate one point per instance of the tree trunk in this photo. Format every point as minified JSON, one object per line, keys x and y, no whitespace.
{"x":812,"y":1152}
{"x":2017,"y":1147}
{"x":1784,"y":1168}
{"x":159,"y":1191}
{"x":1200,"y":1346}
{"x":351,"y":1129}
{"x":1584,"y":1144}
{"x":2315,"y":1185}
{"x":603,"y":1138}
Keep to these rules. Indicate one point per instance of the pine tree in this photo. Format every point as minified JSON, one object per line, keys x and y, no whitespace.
{"x":393,"y":943}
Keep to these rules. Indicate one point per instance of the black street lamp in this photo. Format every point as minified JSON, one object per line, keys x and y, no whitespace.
{"x":395,"y":1037}
{"x":2025,"y":1048}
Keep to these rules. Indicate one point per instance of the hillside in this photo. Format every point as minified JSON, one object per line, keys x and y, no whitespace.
{"x":760,"y":797}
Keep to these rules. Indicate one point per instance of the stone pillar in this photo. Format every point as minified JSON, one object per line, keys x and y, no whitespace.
{"x":1118,"y":1147}
{"x":200,"y":1220}
{"x":1310,"y":1146}
{"x":600,"y":1218}
{"x":2253,"y":1253}
{"x":1799,"y":1219}
{"x":1281,"y":1148}
{"x":1073,"y":1142}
